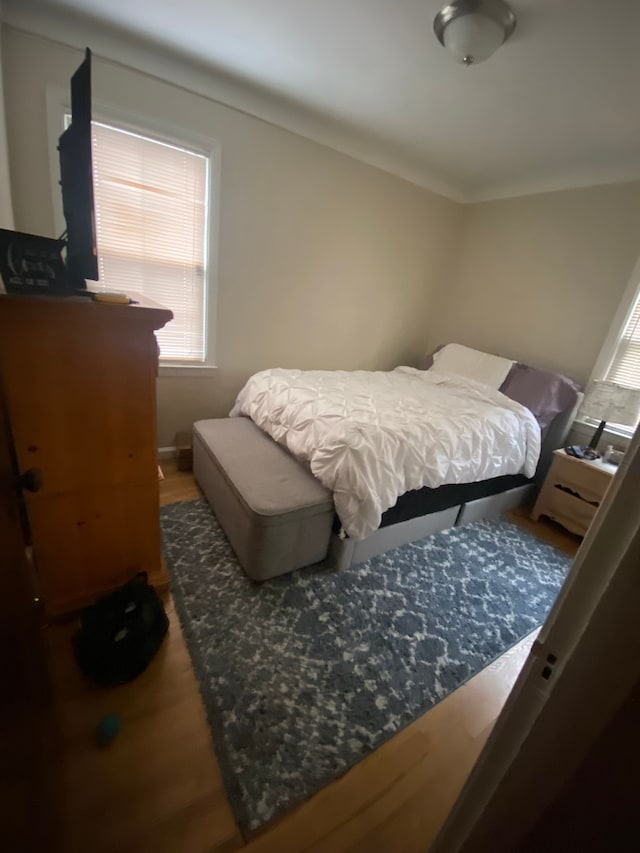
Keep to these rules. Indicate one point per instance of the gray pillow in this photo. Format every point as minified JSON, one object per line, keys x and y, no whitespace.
{"x":543,"y":392}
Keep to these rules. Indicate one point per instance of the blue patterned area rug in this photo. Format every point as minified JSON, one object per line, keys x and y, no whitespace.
{"x":304,"y":675}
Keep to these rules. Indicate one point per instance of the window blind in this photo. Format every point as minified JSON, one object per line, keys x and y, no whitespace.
{"x":151,"y":214}
{"x":625,"y":367}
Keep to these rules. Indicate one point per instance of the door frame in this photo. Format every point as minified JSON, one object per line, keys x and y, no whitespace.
{"x":30,"y":739}
{"x":584,"y":663}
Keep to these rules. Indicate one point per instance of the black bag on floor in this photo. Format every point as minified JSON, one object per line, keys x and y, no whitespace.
{"x":121,"y":633}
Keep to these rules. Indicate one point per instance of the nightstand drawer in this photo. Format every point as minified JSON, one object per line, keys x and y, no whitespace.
{"x":588,"y":482}
{"x":570,"y":511}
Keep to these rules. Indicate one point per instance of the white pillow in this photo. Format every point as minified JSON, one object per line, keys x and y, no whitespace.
{"x":472,"y":364}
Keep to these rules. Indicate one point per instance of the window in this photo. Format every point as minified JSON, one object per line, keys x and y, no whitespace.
{"x":619,"y":359}
{"x":151,"y":202}
{"x":625,"y":365}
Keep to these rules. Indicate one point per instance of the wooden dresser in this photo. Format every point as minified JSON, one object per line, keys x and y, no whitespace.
{"x":78,"y":381}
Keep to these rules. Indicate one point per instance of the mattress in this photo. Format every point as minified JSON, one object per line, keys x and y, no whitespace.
{"x":373,"y":436}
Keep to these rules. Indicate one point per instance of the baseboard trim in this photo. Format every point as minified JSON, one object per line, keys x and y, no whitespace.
{"x":166,"y":452}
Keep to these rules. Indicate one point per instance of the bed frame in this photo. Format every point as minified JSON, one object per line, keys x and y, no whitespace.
{"x":345,"y":552}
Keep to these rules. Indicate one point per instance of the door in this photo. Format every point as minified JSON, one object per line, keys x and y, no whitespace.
{"x":27,"y":732}
{"x":18,"y":609}
{"x":578,"y":677}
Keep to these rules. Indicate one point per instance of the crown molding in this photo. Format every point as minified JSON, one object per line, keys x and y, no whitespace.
{"x":55,"y":23}
{"x":163,"y":62}
{"x":577,"y":180}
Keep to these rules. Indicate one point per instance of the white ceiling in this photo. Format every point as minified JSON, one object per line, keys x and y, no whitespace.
{"x":556,"y":106}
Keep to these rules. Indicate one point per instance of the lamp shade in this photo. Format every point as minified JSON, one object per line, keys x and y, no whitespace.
{"x":608,"y":401}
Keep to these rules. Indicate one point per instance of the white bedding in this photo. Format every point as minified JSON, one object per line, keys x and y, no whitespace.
{"x":370,"y":437}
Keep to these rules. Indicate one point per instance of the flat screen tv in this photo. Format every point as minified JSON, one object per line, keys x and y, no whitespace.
{"x":76,"y":180}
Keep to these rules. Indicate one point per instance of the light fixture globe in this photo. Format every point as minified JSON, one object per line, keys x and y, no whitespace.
{"x":472,"y":30}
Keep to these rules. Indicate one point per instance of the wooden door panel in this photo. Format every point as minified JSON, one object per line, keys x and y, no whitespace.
{"x":18,"y":610}
{"x":28,"y":736}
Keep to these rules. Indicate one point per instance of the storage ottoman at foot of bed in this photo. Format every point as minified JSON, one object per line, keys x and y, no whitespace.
{"x":275,"y":514}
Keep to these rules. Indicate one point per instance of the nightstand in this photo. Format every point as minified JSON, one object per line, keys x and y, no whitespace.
{"x":573,"y":490}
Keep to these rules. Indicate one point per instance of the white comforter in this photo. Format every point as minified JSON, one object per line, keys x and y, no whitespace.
{"x":370,"y":437}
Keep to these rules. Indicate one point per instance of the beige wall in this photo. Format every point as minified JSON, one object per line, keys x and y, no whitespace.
{"x":6,"y":212}
{"x":323,"y":261}
{"x":539,"y":278}
{"x":326,"y":262}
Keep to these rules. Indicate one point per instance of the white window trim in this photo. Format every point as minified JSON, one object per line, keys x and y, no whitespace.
{"x":58,"y":103}
{"x":611,"y":342}
{"x":177,"y":369}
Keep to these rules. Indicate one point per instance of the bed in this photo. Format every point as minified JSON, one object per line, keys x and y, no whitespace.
{"x":411,"y":451}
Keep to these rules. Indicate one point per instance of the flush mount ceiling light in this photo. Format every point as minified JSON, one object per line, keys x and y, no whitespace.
{"x":472,"y":30}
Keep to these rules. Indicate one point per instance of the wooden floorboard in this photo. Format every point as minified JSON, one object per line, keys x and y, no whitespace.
{"x":158,"y":787}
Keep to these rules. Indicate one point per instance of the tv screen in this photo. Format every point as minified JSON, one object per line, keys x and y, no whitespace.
{"x":76,"y":179}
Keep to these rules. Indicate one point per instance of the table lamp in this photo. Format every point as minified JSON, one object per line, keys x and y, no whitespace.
{"x":607,"y":401}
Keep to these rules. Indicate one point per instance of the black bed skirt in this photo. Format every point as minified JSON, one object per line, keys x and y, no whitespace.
{"x":424,"y":501}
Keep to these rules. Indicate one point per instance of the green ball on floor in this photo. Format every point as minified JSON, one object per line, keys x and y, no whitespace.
{"x":108,"y":729}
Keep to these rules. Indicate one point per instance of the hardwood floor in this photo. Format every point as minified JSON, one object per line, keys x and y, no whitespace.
{"x":158,"y":786}
{"x":548,"y":530}
{"x":177,"y":485}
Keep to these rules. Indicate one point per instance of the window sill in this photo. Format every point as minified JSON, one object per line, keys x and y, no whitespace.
{"x":176,"y":369}
{"x":617,"y":432}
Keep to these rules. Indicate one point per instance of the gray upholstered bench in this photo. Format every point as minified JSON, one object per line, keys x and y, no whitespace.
{"x":276,"y":515}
